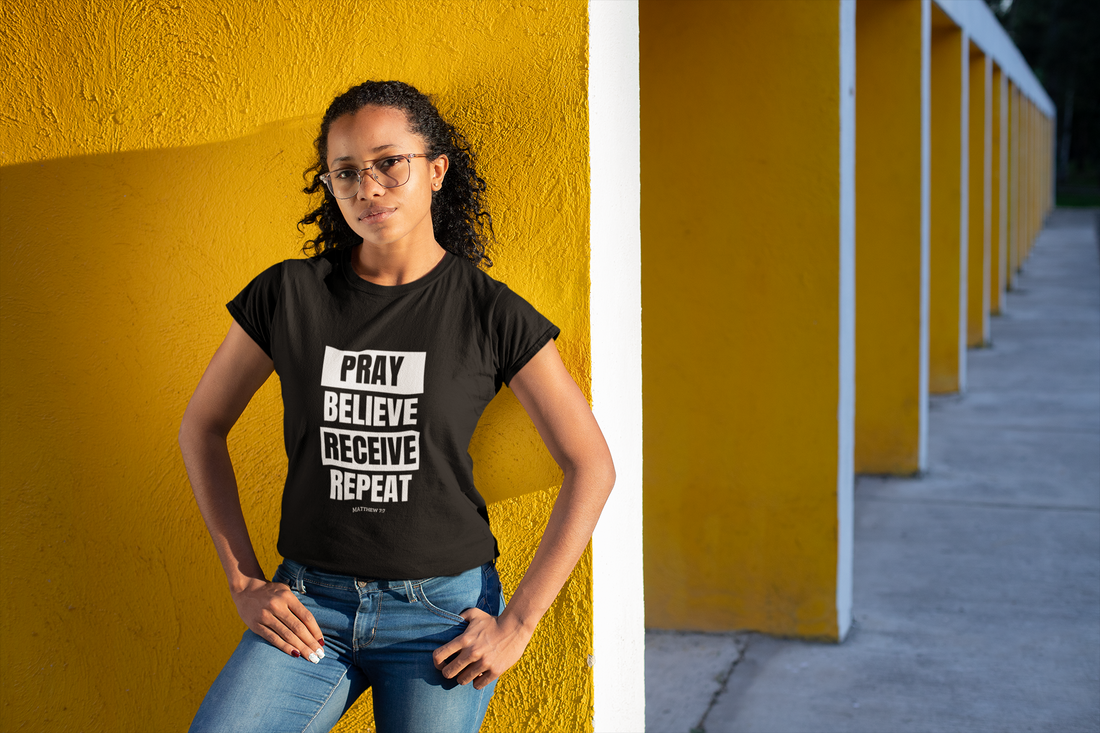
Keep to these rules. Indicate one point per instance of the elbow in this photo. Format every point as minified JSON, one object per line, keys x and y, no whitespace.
{"x":596,"y":472}
{"x":188,"y":436}
{"x":608,"y":473}
{"x":194,"y":430}
{"x":190,"y":428}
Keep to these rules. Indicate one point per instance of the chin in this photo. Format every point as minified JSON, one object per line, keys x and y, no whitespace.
{"x":377,"y":241}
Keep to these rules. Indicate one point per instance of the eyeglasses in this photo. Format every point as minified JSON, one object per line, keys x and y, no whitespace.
{"x":389,"y":172}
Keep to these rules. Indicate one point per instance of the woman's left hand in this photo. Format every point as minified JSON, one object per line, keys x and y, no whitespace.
{"x":561,"y":414}
{"x":481,"y":653}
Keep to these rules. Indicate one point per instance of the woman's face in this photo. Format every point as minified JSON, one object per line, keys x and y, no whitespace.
{"x":386,"y":218}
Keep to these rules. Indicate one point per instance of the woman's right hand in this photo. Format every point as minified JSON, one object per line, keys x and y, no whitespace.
{"x":270,"y":610}
{"x":273,"y":612}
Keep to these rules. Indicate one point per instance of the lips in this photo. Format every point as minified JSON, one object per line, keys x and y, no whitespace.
{"x":375,"y":215}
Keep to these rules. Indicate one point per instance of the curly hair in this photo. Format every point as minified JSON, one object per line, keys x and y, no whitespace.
{"x":459,"y":218}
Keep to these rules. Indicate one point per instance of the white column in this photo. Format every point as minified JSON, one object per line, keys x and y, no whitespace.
{"x":846,"y":395}
{"x":616,"y":318}
{"x":925,"y":217}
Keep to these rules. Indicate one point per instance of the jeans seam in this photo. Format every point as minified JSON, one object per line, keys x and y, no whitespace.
{"x":355,"y":645}
{"x":481,"y":699}
{"x":453,"y":617}
{"x":483,"y":599}
{"x":442,"y":613}
{"x":327,"y":698}
{"x":327,"y":585}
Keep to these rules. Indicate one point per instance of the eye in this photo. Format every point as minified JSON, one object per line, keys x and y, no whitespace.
{"x":386,"y":164}
{"x":344,"y":174}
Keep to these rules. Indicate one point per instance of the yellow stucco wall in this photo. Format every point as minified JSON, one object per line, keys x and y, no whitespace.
{"x":1029,"y":176}
{"x":740,"y":271}
{"x":978,"y":250}
{"x":1043,"y":182}
{"x":999,"y":183}
{"x":1048,"y":167}
{"x":1025,"y":180}
{"x":1025,"y":177}
{"x":1014,"y":219}
{"x":888,"y":236}
{"x":1031,"y":171}
{"x":1025,"y":225}
{"x":944,"y":358}
{"x":151,"y":161}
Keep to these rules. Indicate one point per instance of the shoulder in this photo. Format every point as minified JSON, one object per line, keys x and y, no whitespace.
{"x":316,"y":267}
{"x":480,"y":287}
{"x":298,"y":273}
{"x":495,"y":302}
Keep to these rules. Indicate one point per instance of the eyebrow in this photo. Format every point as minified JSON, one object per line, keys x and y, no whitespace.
{"x":380,"y":148}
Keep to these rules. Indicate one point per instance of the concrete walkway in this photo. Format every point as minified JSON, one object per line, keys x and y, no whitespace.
{"x":977,"y":586}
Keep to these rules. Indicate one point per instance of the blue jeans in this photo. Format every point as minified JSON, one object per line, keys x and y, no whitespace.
{"x":379,"y":634}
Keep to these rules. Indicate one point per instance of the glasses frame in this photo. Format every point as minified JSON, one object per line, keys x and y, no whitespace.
{"x":326,"y":177}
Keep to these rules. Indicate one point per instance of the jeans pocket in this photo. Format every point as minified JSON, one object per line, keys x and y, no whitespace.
{"x":492,"y":594}
{"x":448,"y":596}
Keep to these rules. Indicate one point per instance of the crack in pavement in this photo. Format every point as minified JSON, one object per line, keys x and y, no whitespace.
{"x":742,"y":646}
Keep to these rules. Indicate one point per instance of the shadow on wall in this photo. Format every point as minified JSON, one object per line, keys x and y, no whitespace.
{"x":114,"y":271}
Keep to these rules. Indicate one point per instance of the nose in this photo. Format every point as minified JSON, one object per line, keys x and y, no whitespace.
{"x":368,"y":186}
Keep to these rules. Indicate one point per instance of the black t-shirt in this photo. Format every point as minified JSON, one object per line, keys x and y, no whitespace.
{"x":382,"y":389}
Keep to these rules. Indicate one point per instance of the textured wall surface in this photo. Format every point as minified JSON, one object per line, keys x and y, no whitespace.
{"x":979,"y":188}
{"x":947,"y":294}
{"x":740,"y":321}
{"x":888,"y":236}
{"x":151,"y":157}
{"x":998,"y":217}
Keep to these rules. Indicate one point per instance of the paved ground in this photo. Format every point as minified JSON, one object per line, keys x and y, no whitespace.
{"x":977,"y":586}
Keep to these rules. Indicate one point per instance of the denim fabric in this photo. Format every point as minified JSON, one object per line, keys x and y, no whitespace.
{"x":379,"y":634}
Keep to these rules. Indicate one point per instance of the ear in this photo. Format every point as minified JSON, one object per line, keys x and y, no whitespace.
{"x":438,"y":170}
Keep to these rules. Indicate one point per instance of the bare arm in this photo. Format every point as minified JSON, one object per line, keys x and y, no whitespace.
{"x":236,"y":371}
{"x":565,"y":422}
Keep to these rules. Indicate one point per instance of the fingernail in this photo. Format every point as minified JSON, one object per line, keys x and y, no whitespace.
{"x":321,"y":642}
{"x":295,"y":653}
{"x":320,"y":653}
{"x":313,"y":658}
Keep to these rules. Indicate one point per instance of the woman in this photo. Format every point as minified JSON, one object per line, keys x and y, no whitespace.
{"x":389,"y":342}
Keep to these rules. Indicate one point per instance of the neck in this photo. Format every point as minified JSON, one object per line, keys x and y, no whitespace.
{"x":395,"y":266}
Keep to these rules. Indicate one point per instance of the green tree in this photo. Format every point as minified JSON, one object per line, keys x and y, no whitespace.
{"x":1060,"y":40}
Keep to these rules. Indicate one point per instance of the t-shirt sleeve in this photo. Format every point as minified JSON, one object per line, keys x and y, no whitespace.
{"x":519,"y":331}
{"x":254,"y":307}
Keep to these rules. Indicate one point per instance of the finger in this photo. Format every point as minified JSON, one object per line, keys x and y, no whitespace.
{"x":471,"y":613}
{"x":464,"y":667}
{"x":302,"y":613}
{"x":289,"y":610}
{"x":306,"y":642}
{"x":484,"y":680}
{"x":471,"y":673}
{"x":445,"y":654}
{"x":292,"y":631}
{"x":276,"y":641}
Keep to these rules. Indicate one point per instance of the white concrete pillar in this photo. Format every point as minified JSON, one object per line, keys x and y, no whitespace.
{"x":616,"y":320}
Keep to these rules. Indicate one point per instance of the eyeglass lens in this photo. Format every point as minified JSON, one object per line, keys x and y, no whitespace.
{"x":389,"y":172}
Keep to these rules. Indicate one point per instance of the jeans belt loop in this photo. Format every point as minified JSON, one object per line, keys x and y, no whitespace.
{"x":299,"y":582}
{"x":410,"y":594}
